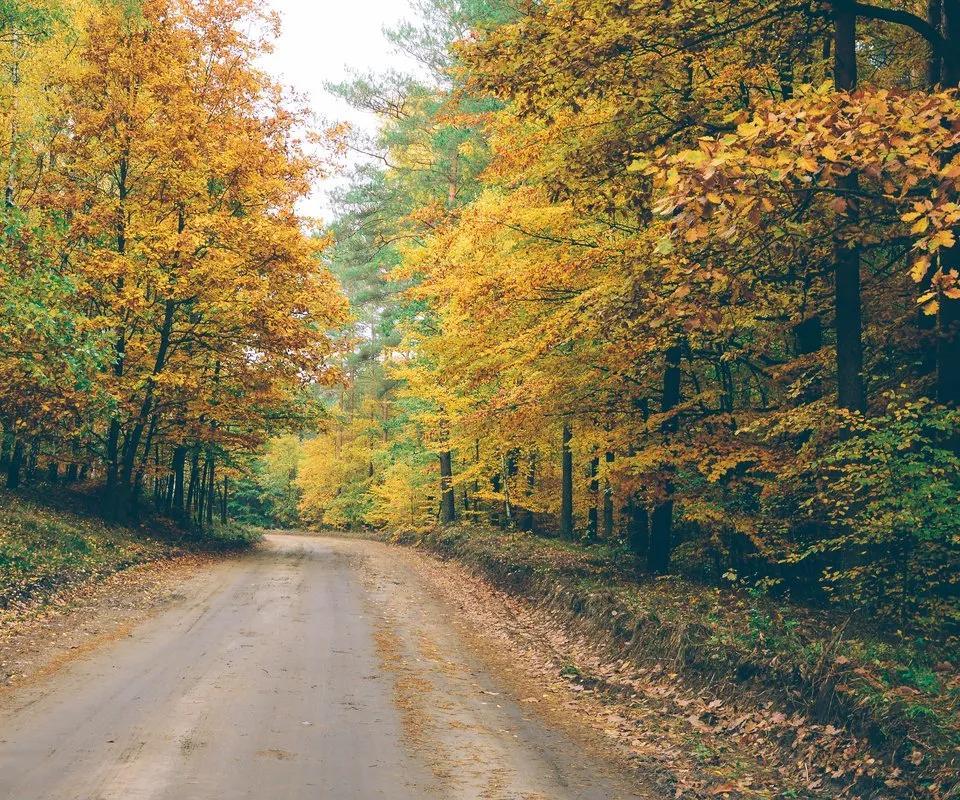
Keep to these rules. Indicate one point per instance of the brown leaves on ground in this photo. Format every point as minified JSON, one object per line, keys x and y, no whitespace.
{"x":38,"y":638}
{"x":691,"y":742}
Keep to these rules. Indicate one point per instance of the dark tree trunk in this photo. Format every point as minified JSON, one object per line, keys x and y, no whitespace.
{"x":566,"y":484}
{"x":113,"y":467}
{"x":192,"y":486}
{"x":179,"y":463}
{"x":211,"y":492}
{"x":73,"y":471}
{"x":950,"y":31}
{"x":935,"y":64}
{"x":201,"y":499}
{"x":496,"y":486}
{"x":608,"y":504}
{"x":527,"y":521}
{"x":849,"y":324}
{"x":448,"y":501}
{"x":661,"y":536}
{"x":15,"y":466}
{"x":593,"y":514}
{"x":638,"y":527}
{"x":31,"y":462}
{"x":223,"y":504}
{"x":448,"y":509}
{"x":53,"y":473}
{"x":661,"y":527}
{"x":638,"y":517}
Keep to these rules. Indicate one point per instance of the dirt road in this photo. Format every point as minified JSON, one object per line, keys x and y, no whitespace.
{"x":312,"y":668}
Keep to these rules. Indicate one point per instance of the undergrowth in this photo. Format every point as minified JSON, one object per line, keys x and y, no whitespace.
{"x":45,"y":549}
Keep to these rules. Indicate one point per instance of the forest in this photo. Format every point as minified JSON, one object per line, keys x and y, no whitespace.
{"x":681,"y":276}
{"x":656,"y":294}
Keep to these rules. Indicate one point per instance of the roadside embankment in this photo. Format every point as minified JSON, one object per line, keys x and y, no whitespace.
{"x":45,"y":550}
{"x":846,"y":711}
{"x":69,"y":580}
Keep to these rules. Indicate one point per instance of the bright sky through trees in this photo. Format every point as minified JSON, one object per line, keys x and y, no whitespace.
{"x":320,"y":42}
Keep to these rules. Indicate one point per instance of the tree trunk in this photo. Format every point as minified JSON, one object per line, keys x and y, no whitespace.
{"x":192,"y":486}
{"x":211,"y":492}
{"x":15,"y":466}
{"x":448,"y":510}
{"x":661,"y":527}
{"x":593,"y":514}
{"x":566,"y":484}
{"x":223,"y":505}
{"x":849,"y":324}
{"x":113,"y":466}
{"x":638,"y":527}
{"x":179,"y":464}
{"x":201,"y":498}
{"x":448,"y":501}
{"x":608,"y":503}
{"x":527,"y":521}
{"x":935,"y":64}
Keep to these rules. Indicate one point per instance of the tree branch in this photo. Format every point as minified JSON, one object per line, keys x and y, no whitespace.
{"x":912,"y":21}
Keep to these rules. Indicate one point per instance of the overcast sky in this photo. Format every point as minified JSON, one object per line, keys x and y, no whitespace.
{"x":320,"y":39}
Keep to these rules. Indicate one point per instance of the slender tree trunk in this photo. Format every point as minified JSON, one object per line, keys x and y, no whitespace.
{"x":73,"y":471}
{"x":509,"y":467}
{"x":608,"y":502}
{"x":211,"y":492}
{"x":638,"y":517}
{"x":566,"y":484}
{"x":179,"y":464}
{"x":661,"y":523}
{"x":448,"y":512}
{"x":6,"y":450}
{"x":223,"y":505}
{"x":201,"y":500}
{"x":593,"y":513}
{"x":15,"y":466}
{"x":33,"y":463}
{"x":114,"y":501}
{"x":496,"y":487}
{"x":113,"y":463}
{"x":448,"y":502}
{"x":527,"y":520}
{"x":849,"y":323}
{"x":192,"y":486}
{"x":53,"y":473}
